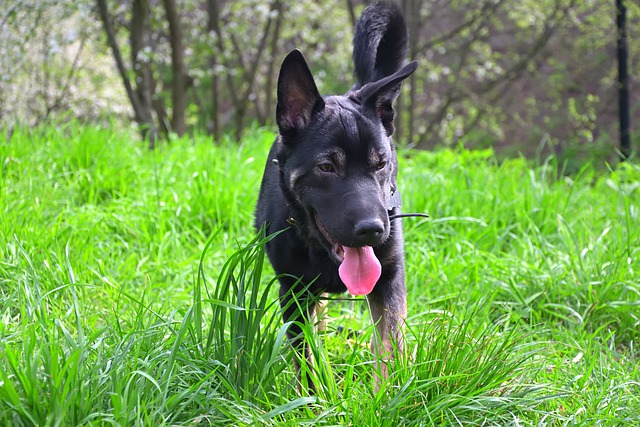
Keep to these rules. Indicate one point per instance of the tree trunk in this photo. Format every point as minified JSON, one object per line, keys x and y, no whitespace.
{"x":142,"y":73}
{"x":142,"y":113}
{"x":406,"y":103}
{"x":623,"y":81}
{"x":179,"y":82}
{"x":352,"y":13}
{"x":213,"y":26}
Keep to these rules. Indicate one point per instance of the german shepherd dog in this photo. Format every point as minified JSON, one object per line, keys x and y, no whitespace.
{"x":330,"y":184}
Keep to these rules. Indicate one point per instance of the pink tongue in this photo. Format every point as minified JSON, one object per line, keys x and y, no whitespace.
{"x":360,"y":270}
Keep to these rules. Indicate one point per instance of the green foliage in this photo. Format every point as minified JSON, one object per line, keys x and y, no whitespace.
{"x":134,"y":291}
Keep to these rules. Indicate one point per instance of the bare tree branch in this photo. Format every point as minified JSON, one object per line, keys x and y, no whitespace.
{"x":142,"y":115}
{"x":65,"y":88}
{"x":250,"y":71}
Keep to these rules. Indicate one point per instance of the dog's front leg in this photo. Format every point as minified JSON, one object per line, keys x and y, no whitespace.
{"x":300,"y":309}
{"x":388,"y":305}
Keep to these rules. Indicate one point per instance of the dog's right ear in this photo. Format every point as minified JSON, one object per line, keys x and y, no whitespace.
{"x":298,"y":97}
{"x":380,"y":95}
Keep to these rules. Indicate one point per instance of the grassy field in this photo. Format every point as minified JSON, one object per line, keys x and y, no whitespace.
{"x":134,"y":291}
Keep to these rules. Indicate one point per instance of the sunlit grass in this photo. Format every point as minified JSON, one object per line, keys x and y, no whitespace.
{"x":134,"y":291}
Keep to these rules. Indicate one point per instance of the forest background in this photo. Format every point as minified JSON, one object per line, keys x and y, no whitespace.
{"x":530,"y":77}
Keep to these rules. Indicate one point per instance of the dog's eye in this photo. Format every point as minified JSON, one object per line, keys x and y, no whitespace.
{"x":326,"y":167}
{"x":381,"y":165}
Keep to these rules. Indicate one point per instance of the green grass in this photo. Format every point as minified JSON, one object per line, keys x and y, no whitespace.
{"x":134,"y":291}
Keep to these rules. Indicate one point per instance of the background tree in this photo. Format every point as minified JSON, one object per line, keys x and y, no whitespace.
{"x":140,"y":96}
{"x":180,"y":77}
{"x":532,"y":76}
{"x":623,"y":80}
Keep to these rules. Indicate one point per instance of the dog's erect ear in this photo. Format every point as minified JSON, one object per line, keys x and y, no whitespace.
{"x":298,"y":97}
{"x":380,"y":94}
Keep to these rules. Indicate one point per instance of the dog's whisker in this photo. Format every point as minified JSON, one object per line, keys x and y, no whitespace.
{"x":406,"y":215}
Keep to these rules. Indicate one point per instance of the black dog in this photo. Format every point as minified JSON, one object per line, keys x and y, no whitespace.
{"x":330,"y":181}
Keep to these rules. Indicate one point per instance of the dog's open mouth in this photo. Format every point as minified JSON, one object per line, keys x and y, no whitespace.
{"x":359,"y":268}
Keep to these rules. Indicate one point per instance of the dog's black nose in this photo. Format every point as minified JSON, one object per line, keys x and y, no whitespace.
{"x":369,"y":231}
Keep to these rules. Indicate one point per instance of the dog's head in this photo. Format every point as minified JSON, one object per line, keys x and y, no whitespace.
{"x":337,"y":160}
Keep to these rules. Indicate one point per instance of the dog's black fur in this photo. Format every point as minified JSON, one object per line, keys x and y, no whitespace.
{"x":330,"y":179}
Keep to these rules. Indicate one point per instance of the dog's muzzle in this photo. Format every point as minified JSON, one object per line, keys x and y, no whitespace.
{"x":359,"y":267}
